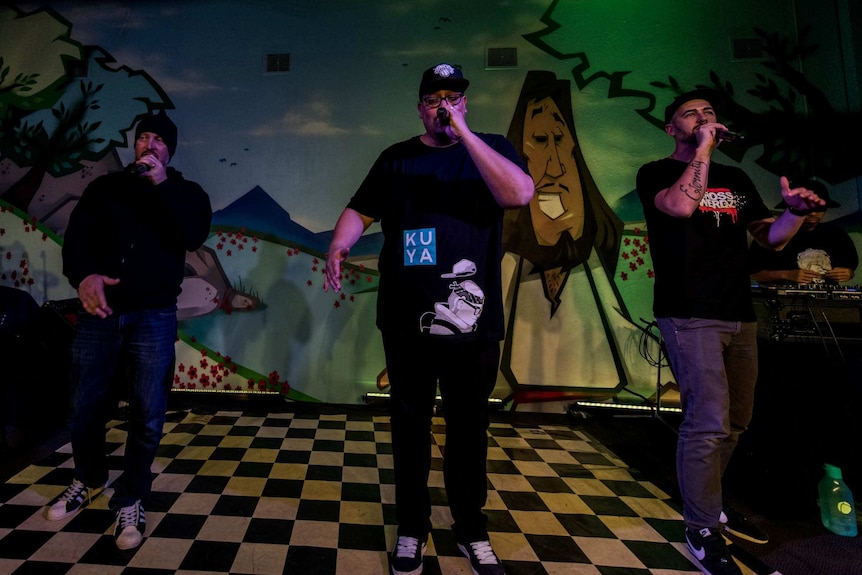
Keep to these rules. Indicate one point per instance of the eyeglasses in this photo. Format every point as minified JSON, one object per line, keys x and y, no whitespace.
{"x":434,"y":101}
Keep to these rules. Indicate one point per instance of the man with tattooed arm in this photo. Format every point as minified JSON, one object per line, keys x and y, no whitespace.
{"x":698,"y":213}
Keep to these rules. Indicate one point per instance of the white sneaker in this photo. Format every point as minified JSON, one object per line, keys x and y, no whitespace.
{"x":130,"y":526}
{"x":483,"y":560}
{"x":406,"y":558}
{"x":73,"y":499}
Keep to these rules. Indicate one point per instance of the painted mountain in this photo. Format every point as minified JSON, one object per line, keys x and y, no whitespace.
{"x":259,"y":213}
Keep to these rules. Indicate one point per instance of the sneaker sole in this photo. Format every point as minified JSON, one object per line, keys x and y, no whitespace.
{"x":125,"y":546}
{"x":745,"y":536}
{"x":698,"y":564}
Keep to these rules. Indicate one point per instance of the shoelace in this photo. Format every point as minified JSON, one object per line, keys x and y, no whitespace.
{"x":484,"y":553}
{"x":75,"y":491}
{"x":128,"y":516}
{"x":406,"y":546}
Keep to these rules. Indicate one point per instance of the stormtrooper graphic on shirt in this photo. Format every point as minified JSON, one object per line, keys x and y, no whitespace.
{"x":463,"y":308}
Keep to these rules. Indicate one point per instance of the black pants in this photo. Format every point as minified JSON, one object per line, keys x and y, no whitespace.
{"x":466,"y":373}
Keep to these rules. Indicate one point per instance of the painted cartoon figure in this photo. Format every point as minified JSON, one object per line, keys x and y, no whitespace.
{"x":563,"y":248}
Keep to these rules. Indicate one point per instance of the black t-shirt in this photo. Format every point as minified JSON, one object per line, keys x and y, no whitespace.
{"x":826,"y":241}
{"x":700,"y":262}
{"x":442,"y":229}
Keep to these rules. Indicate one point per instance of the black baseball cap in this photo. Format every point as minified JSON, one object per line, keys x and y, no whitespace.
{"x":442,"y":77}
{"x":708,"y":94}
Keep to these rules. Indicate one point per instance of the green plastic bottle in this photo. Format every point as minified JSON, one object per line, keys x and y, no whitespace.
{"x":836,"y":503}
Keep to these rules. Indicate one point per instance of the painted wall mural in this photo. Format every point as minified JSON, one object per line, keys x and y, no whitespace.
{"x":565,"y":243}
{"x":280,"y":153}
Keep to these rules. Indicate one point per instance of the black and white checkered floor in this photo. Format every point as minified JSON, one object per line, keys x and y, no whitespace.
{"x":309,"y":490}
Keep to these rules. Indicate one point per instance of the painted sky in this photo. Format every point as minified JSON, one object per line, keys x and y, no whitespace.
{"x":287,"y":133}
{"x":309,"y":136}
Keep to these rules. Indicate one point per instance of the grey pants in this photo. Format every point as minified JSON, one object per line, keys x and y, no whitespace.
{"x":715,"y":364}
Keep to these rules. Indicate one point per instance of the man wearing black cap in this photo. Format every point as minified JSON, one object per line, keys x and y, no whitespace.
{"x":819,"y":253}
{"x":440,"y":198}
{"x":698,"y":212}
{"x":124,"y":251}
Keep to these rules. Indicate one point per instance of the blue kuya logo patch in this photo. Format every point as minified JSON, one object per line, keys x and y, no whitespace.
{"x":420,"y":247}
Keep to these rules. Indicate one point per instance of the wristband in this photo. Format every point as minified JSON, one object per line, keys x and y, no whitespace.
{"x":800,"y":213}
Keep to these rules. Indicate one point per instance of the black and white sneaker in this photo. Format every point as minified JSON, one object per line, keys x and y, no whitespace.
{"x":710,"y":552}
{"x":73,"y":499}
{"x":406,"y":558}
{"x":130,"y":526}
{"x":483,"y":560}
{"x":738,"y":525}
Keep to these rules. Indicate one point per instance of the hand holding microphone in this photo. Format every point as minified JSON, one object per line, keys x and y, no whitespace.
{"x":450,"y":123}
{"x":148,"y":167}
{"x":719,"y":134}
{"x":443,"y":115}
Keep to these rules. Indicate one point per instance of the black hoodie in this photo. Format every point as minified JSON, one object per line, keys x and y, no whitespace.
{"x":124,"y":227}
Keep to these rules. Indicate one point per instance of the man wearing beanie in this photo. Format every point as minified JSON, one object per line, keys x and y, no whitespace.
{"x":699,"y":213}
{"x":439,"y":198}
{"x":124,"y":251}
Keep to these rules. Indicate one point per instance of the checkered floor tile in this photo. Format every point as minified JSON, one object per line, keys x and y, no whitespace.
{"x":310,"y":491}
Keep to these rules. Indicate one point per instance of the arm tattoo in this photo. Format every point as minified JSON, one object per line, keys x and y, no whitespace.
{"x":695,"y":190}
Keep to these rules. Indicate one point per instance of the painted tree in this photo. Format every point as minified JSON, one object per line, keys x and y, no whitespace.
{"x":61,"y":103}
{"x":801,"y":134}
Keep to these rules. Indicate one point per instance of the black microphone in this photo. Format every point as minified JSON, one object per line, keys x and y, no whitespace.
{"x":443,"y":116}
{"x":138,"y":169}
{"x":728,"y":136}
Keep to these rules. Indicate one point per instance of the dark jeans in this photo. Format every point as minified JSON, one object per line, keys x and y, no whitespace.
{"x":466,"y":373}
{"x":134,"y":350}
{"x":715,"y":364}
